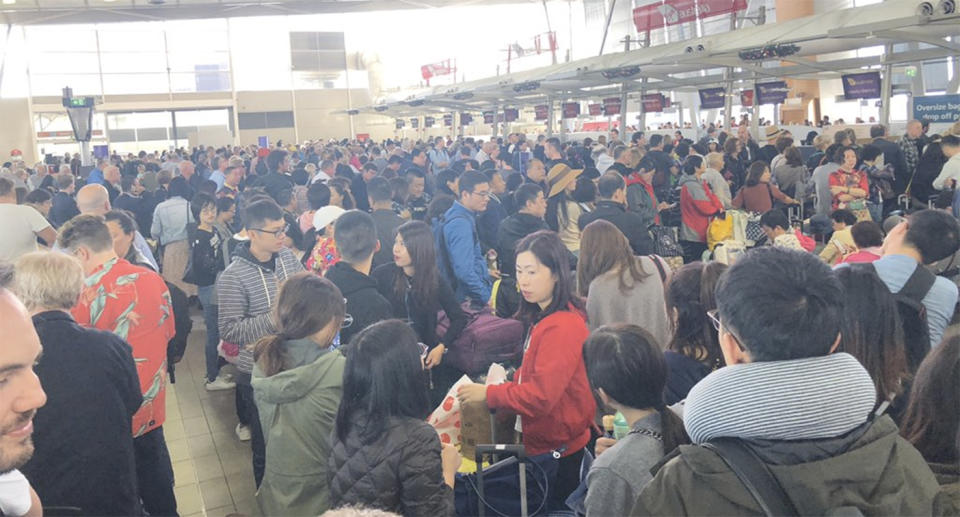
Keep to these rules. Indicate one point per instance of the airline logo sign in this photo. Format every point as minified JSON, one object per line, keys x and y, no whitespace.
{"x":541,"y":112}
{"x":653,"y":102}
{"x":571,"y":109}
{"x":772,"y":93}
{"x":611,"y":106}
{"x":712,"y":98}
{"x":662,"y":13}
{"x":861,"y":86}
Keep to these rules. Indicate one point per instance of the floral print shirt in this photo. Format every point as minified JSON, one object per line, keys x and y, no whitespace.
{"x":133,"y":303}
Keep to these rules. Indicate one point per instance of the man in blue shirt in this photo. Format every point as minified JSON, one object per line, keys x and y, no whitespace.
{"x":96,"y":175}
{"x":469,"y":268}
{"x":921,"y":239}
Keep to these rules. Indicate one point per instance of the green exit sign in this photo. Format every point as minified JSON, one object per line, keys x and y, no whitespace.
{"x":78,"y":102}
{"x":911,"y":71}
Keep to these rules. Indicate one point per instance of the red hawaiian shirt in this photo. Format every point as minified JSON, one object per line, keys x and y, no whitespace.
{"x":134,"y":303}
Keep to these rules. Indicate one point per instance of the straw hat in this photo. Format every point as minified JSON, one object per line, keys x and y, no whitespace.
{"x":773,"y":132}
{"x":560,"y":176}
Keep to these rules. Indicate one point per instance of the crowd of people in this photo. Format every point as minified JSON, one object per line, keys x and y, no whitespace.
{"x":333,"y":278}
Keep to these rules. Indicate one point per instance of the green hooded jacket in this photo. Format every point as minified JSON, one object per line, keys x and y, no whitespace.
{"x":874,"y":470}
{"x":298,"y":408}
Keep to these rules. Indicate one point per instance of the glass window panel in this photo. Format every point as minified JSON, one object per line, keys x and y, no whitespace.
{"x":129,"y":37}
{"x":200,"y":82}
{"x":64,"y":63}
{"x":53,"y":84}
{"x":127,"y":62}
{"x":120,"y":84}
{"x":71,"y":38}
{"x":261,"y":53}
{"x":200,"y":40}
{"x":188,"y":62}
{"x":219,"y":117}
{"x":14,"y":81}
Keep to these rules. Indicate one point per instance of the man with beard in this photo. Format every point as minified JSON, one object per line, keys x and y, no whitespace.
{"x":20,"y":398}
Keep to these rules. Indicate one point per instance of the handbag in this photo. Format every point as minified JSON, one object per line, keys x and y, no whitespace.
{"x":719,"y":230}
{"x":665,"y":241}
{"x":754,"y":230}
{"x":486,"y":339}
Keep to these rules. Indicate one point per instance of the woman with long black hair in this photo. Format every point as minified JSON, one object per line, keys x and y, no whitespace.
{"x":384,"y":453}
{"x":550,"y":392}
{"x":417,"y":292}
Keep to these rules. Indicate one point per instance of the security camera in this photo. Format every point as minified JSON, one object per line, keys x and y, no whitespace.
{"x":925,"y":9}
{"x":947,"y":7}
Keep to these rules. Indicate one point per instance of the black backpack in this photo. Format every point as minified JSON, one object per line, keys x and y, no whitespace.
{"x":913,"y":314}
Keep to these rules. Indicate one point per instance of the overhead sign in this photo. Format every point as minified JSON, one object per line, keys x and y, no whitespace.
{"x":662,"y":13}
{"x":937,"y":108}
{"x":262,"y":141}
{"x":746,"y":98}
{"x":861,"y":86}
{"x":435,"y":69}
{"x":541,"y":112}
{"x":652,"y":102}
{"x":510,"y":114}
{"x":488,"y":117}
{"x":415,"y":123}
{"x":595,"y":109}
{"x":466,"y":119}
{"x":428,"y":121}
{"x":571,"y":109}
{"x":448,"y":119}
{"x":400,"y":123}
{"x":611,"y":106}
{"x":772,"y":93}
{"x":712,"y":98}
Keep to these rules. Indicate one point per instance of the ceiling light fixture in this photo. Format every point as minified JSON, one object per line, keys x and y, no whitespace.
{"x":9,"y":2}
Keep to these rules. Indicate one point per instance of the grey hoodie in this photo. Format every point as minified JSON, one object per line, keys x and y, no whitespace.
{"x":246,"y":293}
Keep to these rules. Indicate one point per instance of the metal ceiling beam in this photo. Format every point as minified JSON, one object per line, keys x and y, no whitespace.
{"x":908,"y":37}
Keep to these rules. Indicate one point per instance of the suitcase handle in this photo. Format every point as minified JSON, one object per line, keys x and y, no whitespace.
{"x":500,"y":448}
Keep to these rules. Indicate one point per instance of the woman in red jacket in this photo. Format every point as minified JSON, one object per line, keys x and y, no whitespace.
{"x":550,"y":393}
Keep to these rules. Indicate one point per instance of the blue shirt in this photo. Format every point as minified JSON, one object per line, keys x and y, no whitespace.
{"x":96,"y":176}
{"x":218,"y":178}
{"x":940,"y":301}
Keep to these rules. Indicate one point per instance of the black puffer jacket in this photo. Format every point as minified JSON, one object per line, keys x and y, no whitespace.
{"x":401,"y":472}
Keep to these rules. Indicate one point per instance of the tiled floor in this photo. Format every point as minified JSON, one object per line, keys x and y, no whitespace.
{"x":212,"y":468}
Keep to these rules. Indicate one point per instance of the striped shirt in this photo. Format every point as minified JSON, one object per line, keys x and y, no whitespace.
{"x":801,"y":399}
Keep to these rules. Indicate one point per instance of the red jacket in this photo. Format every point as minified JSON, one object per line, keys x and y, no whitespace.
{"x":697,"y":206}
{"x":550,"y":391}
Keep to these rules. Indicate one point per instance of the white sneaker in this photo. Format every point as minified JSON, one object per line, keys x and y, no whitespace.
{"x":222,"y":382}
{"x":243,"y":433}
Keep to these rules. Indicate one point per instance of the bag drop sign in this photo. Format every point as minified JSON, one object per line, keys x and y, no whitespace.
{"x":937,"y":108}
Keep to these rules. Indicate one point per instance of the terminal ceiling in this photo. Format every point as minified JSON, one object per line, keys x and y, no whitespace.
{"x":679,"y":67}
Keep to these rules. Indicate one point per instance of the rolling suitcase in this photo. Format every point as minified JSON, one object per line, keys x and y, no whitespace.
{"x":494,"y":490}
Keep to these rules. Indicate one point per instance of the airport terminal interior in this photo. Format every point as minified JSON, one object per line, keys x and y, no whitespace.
{"x":479,"y":257}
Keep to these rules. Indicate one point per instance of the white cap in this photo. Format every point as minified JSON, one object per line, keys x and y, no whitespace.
{"x":326,"y":215}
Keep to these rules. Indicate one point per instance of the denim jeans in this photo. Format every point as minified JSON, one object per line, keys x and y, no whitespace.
{"x":155,"y":474}
{"x":213,"y":332}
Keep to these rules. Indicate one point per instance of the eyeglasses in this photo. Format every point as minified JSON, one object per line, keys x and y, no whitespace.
{"x":482,"y":194}
{"x":276,"y":233}
{"x":715,"y":320}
